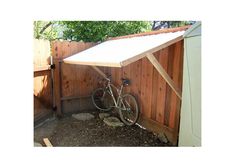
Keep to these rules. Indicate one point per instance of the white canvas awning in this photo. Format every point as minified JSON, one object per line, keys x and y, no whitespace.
{"x":121,"y":52}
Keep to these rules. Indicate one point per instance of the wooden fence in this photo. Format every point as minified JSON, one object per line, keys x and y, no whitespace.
{"x":159,"y":105}
{"x":42,"y":79}
{"x":71,"y":93}
{"x":74,"y":83}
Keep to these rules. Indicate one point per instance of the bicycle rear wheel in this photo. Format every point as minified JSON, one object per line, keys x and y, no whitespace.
{"x":102,"y":99}
{"x":129,"y":111}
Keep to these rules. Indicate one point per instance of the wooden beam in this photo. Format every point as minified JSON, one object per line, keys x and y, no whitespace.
{"x":47,"y":142}
{"x":42,"y":68}
{"x":164,"y":74}
{"x":99,"y":71}
{"x":41,"y":73}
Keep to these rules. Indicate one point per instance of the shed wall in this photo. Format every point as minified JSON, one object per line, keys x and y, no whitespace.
{"x":190,"y":127}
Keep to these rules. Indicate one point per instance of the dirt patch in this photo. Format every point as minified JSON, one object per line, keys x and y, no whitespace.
{"x":71,"y":132}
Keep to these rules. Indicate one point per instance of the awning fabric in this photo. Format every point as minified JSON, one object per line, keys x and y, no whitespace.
{"x":121,"y":52}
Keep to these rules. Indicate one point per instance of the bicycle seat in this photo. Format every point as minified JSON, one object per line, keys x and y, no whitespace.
{"x":125,"y":82}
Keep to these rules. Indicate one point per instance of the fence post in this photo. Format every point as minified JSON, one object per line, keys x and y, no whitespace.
{"x":57,"y":76}
{"x":57,"y":84}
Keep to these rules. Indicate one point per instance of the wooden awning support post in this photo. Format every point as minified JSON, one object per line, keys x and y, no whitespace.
{"x":163,"y":73}
{"x":99,"y":71}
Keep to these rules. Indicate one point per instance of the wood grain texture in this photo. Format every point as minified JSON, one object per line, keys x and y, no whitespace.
{"x":58,"y":90}
{"x":126,"y":74}
{"x":76,"y":80}
{"x":146,"y":87}
{"x":155,"y":85}
{"x":168,"y":89}
{"x":180,"y":79}
{"x":42,"y":78}
{"x":135,"y":78}
{"x":163,"y":73}
{"x":161,"y":96}
{"x":176,"y":75}
{"x":42,"y":54}
{"x":42,"y":87}
{"x":116,"y":74}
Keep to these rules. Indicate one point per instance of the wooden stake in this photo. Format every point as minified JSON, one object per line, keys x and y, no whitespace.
{"x":47,"y":142}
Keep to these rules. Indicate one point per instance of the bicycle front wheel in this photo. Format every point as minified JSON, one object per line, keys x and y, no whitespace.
{"x":102,"y":99}
{"x":128,"y":110}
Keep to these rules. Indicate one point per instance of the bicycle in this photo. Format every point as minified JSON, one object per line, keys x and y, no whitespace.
{"x":103,"y":99}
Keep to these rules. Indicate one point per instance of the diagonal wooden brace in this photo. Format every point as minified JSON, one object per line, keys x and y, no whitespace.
{"x":99,"y":71}
{"x":164,"y":74}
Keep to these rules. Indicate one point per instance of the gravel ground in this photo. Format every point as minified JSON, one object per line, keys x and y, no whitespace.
{"x":71,"y":132}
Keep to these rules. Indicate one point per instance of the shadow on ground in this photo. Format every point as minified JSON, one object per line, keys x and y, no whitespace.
{"x":71,"y":132}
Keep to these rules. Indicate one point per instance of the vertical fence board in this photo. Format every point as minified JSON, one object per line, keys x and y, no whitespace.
{"x":146,"y":87}
{"x":174,"y":98}
{"x":116,"y":76}
{"x":42,"y":79}
{"x":135,"y":78}
{"x":161,"y":93}
{"x":41,"y":52}
{"x":126,"y":73}
{"x":168,"y":89}
{"x":155,"y":90}
{"x":180,"y":79}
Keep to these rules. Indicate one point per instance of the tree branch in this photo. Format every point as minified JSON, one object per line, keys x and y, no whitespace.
{"x":45,"y":27}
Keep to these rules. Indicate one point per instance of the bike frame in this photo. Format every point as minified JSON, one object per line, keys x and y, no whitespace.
{"x":109,"y":89}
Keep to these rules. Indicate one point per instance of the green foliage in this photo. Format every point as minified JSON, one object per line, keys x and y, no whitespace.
{"x":45,"y":30}
{"x":170,"y":24}
{"x":178,"y":23}
{"x":94,"y":31}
